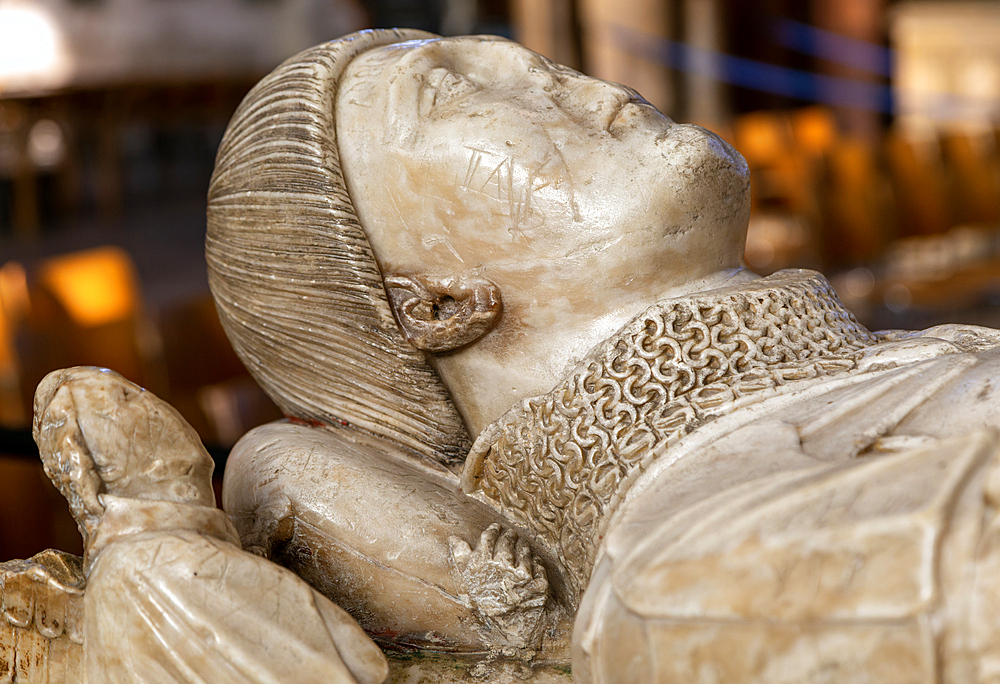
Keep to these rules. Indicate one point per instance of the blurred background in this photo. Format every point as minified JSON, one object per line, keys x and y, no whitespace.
{"x":871,"y":128}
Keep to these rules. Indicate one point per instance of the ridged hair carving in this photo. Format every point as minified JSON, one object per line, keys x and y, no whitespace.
{"x":294,"y":279}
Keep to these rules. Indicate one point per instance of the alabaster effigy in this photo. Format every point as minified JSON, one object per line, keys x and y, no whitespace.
{"x":542,"y":423}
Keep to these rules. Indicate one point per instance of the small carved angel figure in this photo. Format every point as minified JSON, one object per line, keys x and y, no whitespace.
{"x":169,"y":595}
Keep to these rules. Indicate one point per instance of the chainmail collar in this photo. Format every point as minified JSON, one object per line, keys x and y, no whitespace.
{"x":553,"y":463}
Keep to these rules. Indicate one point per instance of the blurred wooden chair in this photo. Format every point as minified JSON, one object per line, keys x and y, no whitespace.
{"x":16,"y":166}
{"x":14,"y":306}
{"x":548,"y":28}
{"x":33,"y":515}
{"x":620,"y":45}
{"x":855,"y":214}
{"x":781,"y":176}
{"x":973,"y":168}
{"x":35,"y":146}
{"x":919,"y":187}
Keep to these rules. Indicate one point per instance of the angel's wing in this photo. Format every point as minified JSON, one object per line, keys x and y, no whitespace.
{"x":41,"y":622}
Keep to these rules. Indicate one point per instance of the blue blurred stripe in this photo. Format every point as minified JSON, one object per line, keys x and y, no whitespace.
{"x":748,"y":73}
{"x":833,"y":47}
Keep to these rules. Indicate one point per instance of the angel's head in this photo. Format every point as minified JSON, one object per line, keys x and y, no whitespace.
{"x":100,"y":434}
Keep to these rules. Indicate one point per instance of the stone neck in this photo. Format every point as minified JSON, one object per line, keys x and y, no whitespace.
{"x":540,"y":338}
{"x":785,"y":286}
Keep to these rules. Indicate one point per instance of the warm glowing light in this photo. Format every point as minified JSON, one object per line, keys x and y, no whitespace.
{"x":761,"y":137}
{"x":815,"y":130}
{"x":6,"y":345}
{"x":95,"y":287}
{"x":31,"y":49}
{"x":14,"y":300}
{"x":13,"y":306}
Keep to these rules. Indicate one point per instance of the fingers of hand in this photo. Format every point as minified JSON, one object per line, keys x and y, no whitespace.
{"x":19,"y":599}
{"x":504,"y":553}
{"x":488,"y":539}
{"x":461,"y":552}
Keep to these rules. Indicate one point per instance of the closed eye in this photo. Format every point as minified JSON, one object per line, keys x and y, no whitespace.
{"x":442,"y":86}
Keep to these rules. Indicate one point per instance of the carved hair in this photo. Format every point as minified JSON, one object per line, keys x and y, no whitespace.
{"x":295,"y":281}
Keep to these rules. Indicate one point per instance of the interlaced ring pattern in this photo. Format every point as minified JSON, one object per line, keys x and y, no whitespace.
{"x":560,"y":458}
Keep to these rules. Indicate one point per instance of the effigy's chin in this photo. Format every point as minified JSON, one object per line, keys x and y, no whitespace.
{"x":706,"y":180}
{"x":699,"y":151}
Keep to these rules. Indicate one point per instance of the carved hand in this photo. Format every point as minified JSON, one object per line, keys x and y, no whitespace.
{"x":504,"y":584}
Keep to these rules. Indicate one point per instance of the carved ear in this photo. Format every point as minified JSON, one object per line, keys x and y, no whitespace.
{"x":438,"y":314}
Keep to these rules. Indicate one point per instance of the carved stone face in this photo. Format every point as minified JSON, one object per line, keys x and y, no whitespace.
{"x":475,"y":153}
